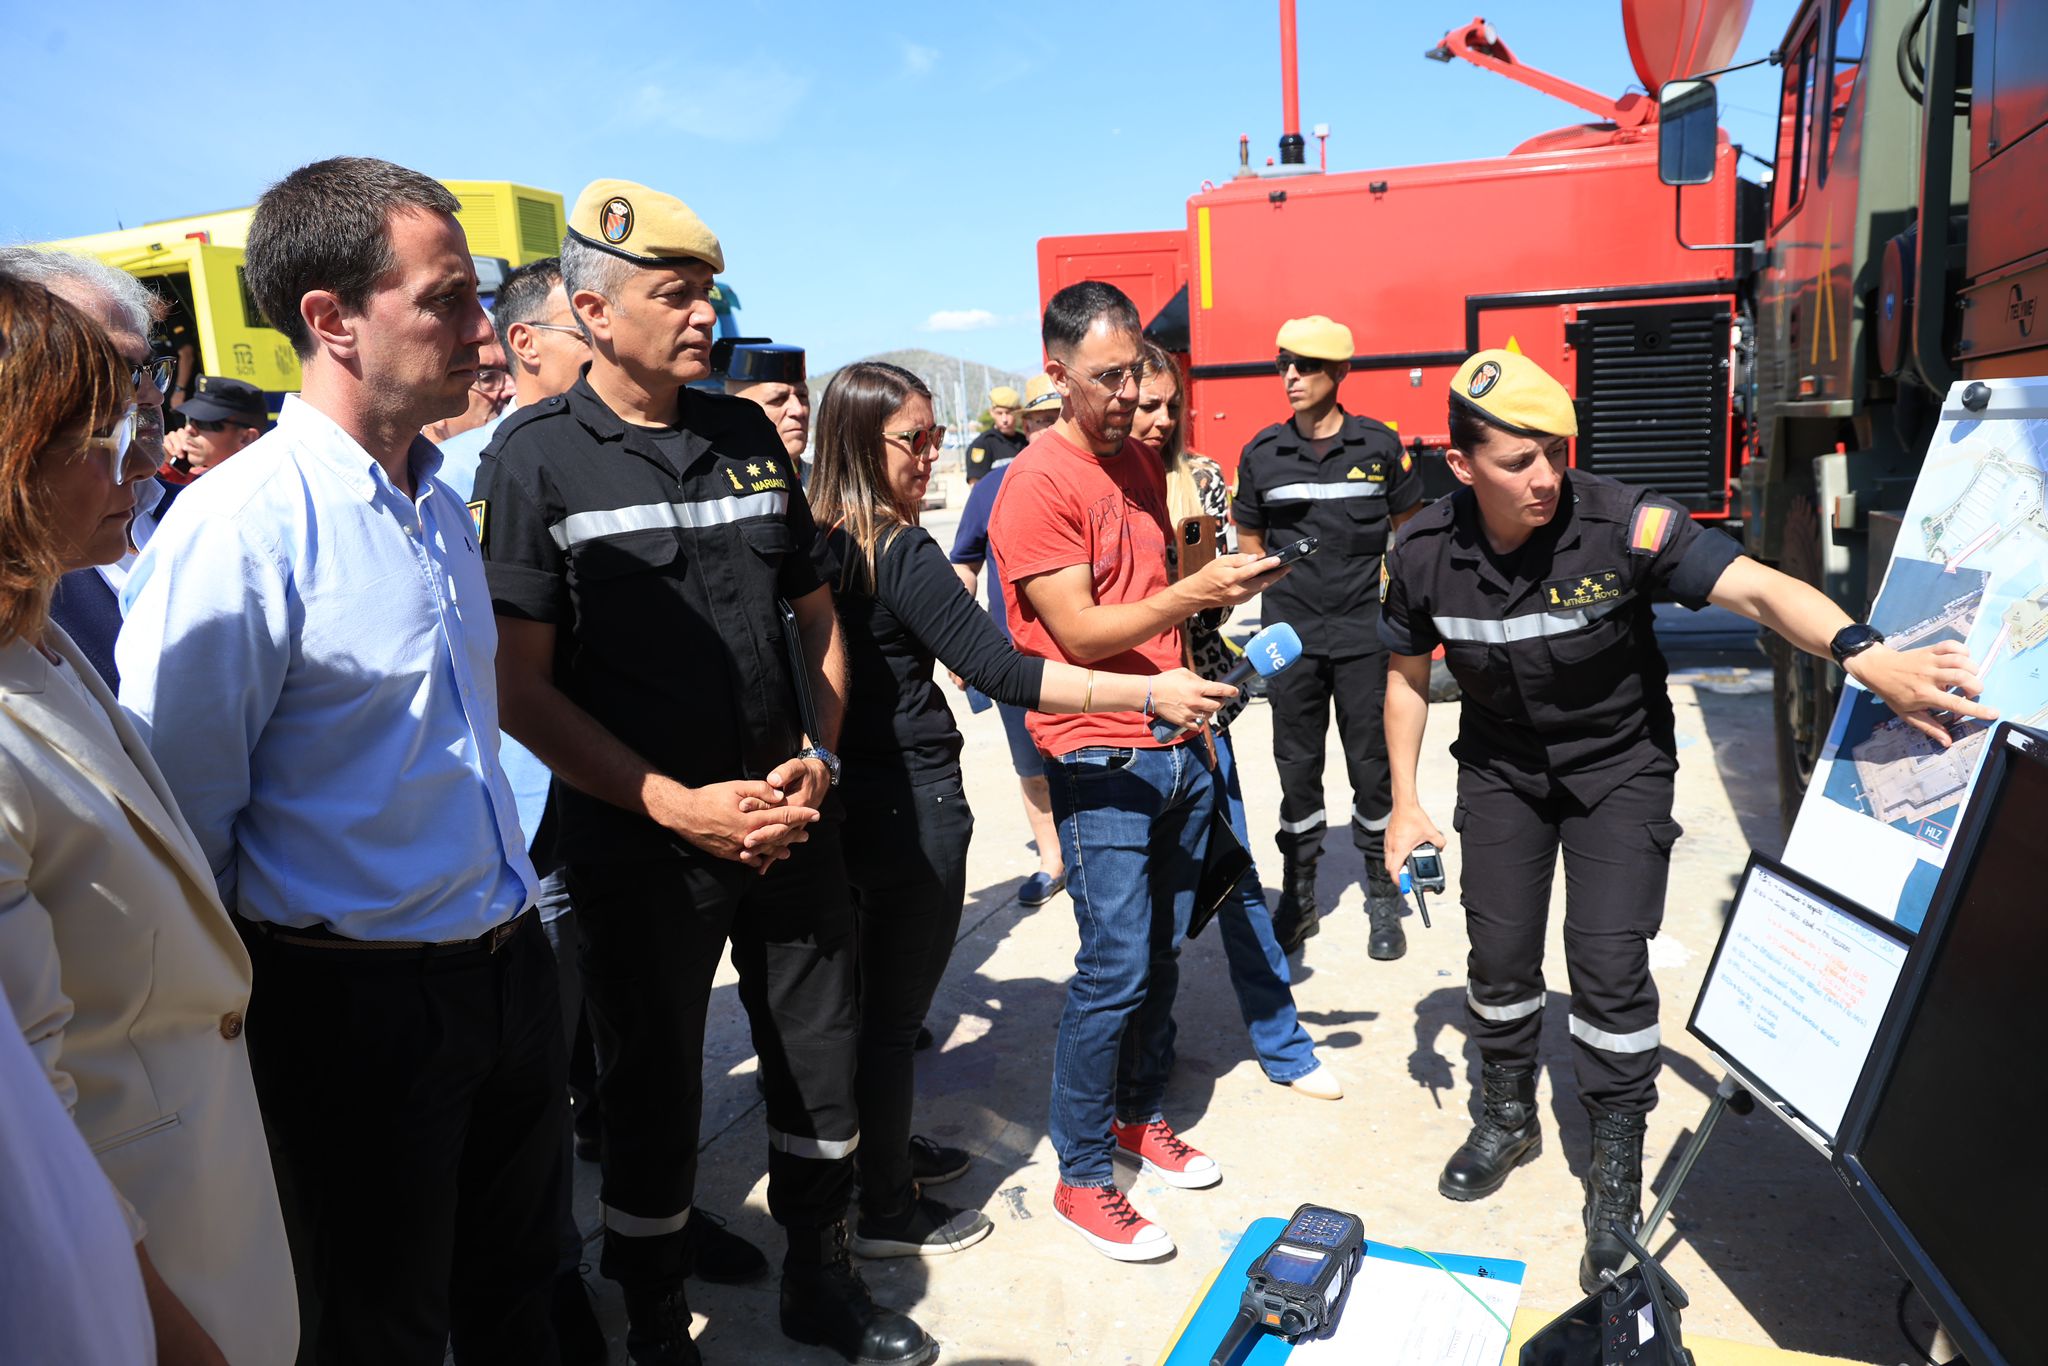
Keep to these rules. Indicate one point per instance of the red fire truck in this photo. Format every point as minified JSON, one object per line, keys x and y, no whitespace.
{"x":1429,"y":263}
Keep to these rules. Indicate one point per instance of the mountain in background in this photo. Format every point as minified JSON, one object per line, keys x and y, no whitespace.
{"x":957,"y":385}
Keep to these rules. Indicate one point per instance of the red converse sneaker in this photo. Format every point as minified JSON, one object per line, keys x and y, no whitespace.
{"x":1105,"y":1218}
{"x":1158,"y":1150}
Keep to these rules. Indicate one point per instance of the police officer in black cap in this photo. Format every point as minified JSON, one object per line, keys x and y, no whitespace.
{"x":1539,"y":580}
{"x":771,"y":376}
{"x":639,"y":534}
{"x":222,"y":416}
{"x":1344,"y":480}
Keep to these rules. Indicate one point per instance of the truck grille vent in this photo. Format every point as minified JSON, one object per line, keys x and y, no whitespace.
{"x":1653,"y":399}
{"x":540,"y":229}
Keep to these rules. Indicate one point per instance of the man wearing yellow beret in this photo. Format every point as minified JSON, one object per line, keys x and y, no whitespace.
{"x":640,"y":536}
{"x":1002,"y":441}
{"x":1538,"y":580}
{"x":1041,"y":405}
{"x":1344,"y":480}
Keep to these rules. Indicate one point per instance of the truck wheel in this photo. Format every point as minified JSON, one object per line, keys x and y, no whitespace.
{"x":1804,"y":690}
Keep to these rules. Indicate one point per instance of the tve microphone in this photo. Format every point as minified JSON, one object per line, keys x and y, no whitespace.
{"x":1265,"y":654}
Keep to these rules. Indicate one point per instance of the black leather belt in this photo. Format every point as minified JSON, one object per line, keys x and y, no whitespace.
{"x":319,"y":937}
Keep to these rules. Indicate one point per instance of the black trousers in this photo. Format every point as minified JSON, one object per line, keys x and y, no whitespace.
{"x":1301,"y":698}
{"x":906,"y":855}
{"x":418,"y":1104}
{"x":653,"y":934}
{"x":1617,"y":859}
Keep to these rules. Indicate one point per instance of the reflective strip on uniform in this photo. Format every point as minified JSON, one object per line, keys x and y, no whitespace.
{"x":1309,"y":822}
{"x":1366,"y":822}
{"x":633,"y":1226}
{"x":1640,"y":1041}
{"x":823,"y":1149}
{"x":1517,"y":1010}
{"x":589,"y":526}
{"x":1534,"y":626}
{"x":1288,"y":493}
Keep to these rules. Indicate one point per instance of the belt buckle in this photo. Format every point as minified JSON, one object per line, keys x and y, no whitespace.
{"x":501,"y":933}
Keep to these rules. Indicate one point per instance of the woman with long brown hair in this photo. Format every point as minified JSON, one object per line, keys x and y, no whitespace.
{"x":908,"y":823}
{"x":125,"y":975}
{"x":1198,"y":505}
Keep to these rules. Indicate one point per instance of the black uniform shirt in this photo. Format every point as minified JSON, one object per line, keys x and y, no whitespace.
{"x":1286,"y":491}
{"x":658,"y":555}
{"x":1553,"y":645}
{"x":989,"y":447}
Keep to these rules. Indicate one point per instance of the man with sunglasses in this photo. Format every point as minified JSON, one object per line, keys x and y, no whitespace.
{"x":1344,"y":480}
{"x":87,"y":601}
{"x":221,"y":417}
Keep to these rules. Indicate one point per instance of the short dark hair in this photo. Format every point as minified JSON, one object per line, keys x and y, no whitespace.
{"x":327,"y":226}
{"x":1469,"y":428}
{"x":523,"y":297}
{"x":1077,"y":308}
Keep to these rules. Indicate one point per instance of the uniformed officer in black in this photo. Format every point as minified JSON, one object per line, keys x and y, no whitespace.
{"x":771,"y":375}
{"x":1538,"y":581}
{"x":638,"y":535}
{"x":1002,"y":441}
{"x":1344,"y":480}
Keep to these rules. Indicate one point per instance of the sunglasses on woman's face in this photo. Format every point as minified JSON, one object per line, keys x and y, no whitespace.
{"x":118,"y":449}
{"x":922,"y":441}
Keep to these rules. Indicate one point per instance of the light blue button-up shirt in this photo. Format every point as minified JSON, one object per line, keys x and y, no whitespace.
{"x":310,"y":655}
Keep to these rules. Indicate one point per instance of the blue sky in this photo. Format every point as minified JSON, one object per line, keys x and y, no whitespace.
{"x":879,"y":174}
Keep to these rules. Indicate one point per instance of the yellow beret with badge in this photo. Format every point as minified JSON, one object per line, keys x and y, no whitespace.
{"x":1315,"y":337}
{"x":1515,"y":394}
{"x":644,"y":226}
{"x":1003,"y":396}
{"x":1039,"y":394}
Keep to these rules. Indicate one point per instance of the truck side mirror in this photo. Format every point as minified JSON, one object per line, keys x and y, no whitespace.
{"x":1688,"y":132}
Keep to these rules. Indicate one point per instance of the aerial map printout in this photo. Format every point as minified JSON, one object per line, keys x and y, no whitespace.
{"x":1971,"y":564}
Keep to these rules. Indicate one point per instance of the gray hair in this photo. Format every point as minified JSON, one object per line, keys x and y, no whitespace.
{"x":587,"y":267}
{"x":142,"y":305}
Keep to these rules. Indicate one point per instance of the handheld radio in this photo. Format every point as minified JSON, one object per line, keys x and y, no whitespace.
{"x":1296,"y":1287}
{"x":1265,"y":654}
{"x":1423,"y":873}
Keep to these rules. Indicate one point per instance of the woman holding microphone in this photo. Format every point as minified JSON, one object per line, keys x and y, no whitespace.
{"x":908,"y":823}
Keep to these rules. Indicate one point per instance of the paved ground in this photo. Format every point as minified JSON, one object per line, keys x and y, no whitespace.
{"x":1764,"y":1239}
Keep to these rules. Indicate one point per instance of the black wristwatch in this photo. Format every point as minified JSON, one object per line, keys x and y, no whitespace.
{"x":825,"y":757}
{"x":1854,"y":639}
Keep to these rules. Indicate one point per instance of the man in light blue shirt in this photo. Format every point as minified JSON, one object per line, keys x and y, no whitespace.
{"x":309,"y":649}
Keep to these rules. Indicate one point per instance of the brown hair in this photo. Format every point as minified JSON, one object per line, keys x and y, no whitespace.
{"x":849,"y":482}
{"x":58,"y":375}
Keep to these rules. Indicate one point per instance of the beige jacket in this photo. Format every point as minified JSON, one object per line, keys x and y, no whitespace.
{"x":129,"y":983}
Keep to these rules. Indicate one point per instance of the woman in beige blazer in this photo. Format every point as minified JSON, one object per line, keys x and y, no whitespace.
{"x":125,"y":974}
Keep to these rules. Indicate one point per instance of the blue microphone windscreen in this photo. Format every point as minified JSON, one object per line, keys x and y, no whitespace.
{"x":1273,"y":649}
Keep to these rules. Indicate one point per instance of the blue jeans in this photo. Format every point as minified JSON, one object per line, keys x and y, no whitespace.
{"x":1258,"y":968}
{"x":1133,"y":826}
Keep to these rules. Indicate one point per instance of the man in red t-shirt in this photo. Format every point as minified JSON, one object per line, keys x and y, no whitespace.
{"x":1079,"y":536}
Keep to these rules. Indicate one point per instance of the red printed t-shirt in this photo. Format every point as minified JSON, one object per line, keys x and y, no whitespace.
{"x":1062,"y":506}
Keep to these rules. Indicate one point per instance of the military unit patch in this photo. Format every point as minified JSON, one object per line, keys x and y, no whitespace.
{"x":1650,"y":529}
{"x":1383,"y":578}
{"x":1407,"y":462}
{"x":1483,"y":379}
{"x":616,"y":219}
{"x":1563,"y":595}
{"x":477,"y":513}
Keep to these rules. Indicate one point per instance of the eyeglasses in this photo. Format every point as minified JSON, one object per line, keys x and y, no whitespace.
{"x":159,"y":369}
{"x":570,"y":328}
{"x":125,"y":459}
{"x":1301,"y":365}
{"x":210,"y":426}
{"x":1115,"y":378}
{"x":922,"y":441}
{"x":490,"y":379}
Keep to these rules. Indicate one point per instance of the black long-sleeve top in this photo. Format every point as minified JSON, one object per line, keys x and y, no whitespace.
{"x":918,"y":612}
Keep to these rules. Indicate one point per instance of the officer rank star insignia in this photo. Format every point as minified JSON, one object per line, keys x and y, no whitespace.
{"x":762,"y":476}
{"x":1602,"y":585}
{"x":1376,"y":471}
{"x":477,"y":513}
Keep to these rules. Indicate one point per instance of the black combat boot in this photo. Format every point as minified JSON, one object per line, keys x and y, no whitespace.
{"x":1384,"y":907}
{"x":1294,"y":919}
{"x":1614,"y":1194}
{"x":658,"y":1327}
{"x":1507,"y":1135}
{"x":825,"y":1303}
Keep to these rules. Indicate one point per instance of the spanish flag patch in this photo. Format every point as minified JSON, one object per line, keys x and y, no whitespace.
{"x":1650,"y":529}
